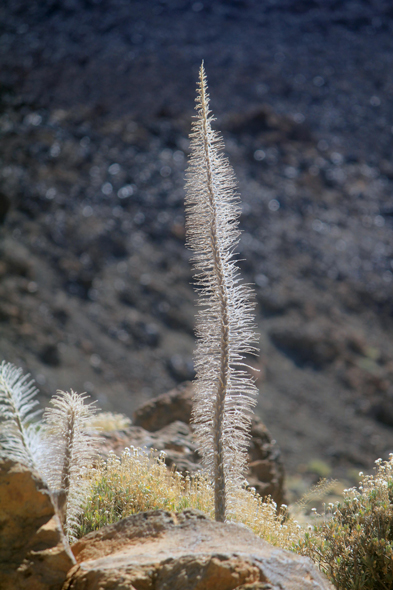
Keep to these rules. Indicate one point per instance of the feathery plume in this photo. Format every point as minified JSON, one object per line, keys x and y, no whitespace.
{"x":72,"y":447}
{"x":224,"y":390}
{"x":20,"y":437}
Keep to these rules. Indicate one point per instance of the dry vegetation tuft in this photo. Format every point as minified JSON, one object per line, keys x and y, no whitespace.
{"x":108,"y":422}
{"x":138,"y":481}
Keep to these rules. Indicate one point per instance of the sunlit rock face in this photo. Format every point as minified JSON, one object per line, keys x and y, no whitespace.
{"x":33,"y":552}
{"x":164,"y":551}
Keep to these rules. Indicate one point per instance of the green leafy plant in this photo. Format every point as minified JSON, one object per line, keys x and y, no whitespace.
{"x":354,"y":543}
{"x":224,"y":389}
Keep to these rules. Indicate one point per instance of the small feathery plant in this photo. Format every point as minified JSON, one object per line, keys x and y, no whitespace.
{"x":224,"y":390}
{"x":20,"y":436}
{"x":60,"y":448}
{"x":71,"y":449}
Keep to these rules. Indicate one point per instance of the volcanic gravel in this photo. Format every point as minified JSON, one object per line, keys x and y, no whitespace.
{"x":96,"y":101}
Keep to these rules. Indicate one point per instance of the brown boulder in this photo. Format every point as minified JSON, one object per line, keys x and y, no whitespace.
{"x":33,"y":552}
{"x":187,"y":551}
{"x":167,"y":418}
{"x":166,"y":408}
{"x":265,"y":468}
{"x":175,"y":439}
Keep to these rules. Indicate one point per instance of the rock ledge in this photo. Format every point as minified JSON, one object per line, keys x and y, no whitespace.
{"x":187,"y":551}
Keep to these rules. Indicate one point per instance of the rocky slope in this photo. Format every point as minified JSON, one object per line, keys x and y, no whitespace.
{"x":96,"y":102}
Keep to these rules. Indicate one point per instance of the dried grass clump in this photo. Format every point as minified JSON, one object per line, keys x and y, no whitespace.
{"x":138,"y":481}
{"x":135,"y":482}
{"x":261,"y":516}
{"x":109,"y":421}
{"x":354,"y":544}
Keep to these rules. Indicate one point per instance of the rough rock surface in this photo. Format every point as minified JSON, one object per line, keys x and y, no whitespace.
{"x":164,"y":551}
{"x":33,"y":553}
{"x":163,"y":423}
{"x":166,"y":408}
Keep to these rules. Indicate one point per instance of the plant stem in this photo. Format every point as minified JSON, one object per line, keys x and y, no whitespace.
{"x":219,"y":471}
{"x":66,"y":472}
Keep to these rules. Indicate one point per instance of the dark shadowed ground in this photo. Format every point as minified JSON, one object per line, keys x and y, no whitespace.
{"x":96,"y":99}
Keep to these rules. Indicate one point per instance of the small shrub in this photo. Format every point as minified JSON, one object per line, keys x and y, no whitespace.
{"x":354,"y":543}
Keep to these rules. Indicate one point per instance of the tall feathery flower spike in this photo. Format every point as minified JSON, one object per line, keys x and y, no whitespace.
{"x":224,"y":389}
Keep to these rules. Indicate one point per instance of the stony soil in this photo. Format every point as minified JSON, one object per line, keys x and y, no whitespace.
{"x":96,"y":99}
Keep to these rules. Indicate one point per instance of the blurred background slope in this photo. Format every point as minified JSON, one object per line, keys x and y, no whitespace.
{"x":96,"y":100}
